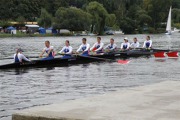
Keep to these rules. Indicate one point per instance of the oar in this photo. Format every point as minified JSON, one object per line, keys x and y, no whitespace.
{"x":157,"y":50}
{"x":123,"y":61}
{"x":74,"y":54}
{"x":13,"y":58}
{"x":97,"y":58}
{"x":109,"y":60}
{"x":27,"y":57}
{"x":173,"y":54}
{"x":87,"y":57}
{"x":161,"y":54}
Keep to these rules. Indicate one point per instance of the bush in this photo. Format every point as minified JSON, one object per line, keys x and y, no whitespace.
{"x":177,"y":25}
{"x":161,"y":30}
{"x":151,"y":30}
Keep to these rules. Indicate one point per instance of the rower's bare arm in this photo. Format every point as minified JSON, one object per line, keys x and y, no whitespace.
{"x":60,"y":52}
{"x":51,"y":50}
{"x":42,"y":53}
{"x":91,"y":49}
{"x":79,"y":49}
{"x":101,"y":47}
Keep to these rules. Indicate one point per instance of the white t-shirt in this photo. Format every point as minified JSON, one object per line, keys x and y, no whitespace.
{"x":47,"y":49}
{"x":21,"y":57}
{"x":147,"y":41}
{"x":111,"y":46}
{"x":101,"y":45}
{"x":87,"y":46}
{"x":67,"y":50}
{"x":125,"y":44}
{"x":135,"y":45}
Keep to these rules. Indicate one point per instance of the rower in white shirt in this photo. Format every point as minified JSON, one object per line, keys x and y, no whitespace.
{"x":84,"y":48}
{"x":49,"y":50}
{"x":19,"y":57}
{"x":97,"y":47}
{"x":66,"y":50}
{"x":135,"y":44}
{"x":112,"y":46}
{"x":148,"y":43}
{"x":125,"y":45}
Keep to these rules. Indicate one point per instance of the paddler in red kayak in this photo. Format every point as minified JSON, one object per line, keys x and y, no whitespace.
{"x":97,"y":47}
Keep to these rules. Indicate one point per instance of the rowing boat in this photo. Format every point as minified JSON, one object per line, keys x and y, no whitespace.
{"x":78,"y":59}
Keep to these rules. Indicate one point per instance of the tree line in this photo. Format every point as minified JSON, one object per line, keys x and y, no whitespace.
{"x":131,"y":16}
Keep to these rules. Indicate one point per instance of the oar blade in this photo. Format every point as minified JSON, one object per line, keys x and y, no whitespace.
{"x":173,"y":54}
{"x":123,"y":61}
{"x":159,"y":55}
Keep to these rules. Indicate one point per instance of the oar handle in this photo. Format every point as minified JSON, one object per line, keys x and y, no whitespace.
{"x":26,"y":57}
{"x":75,"y":54}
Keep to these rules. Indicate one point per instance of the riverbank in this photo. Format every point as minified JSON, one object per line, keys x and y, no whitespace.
{"x":5,"y":35}
{"x":159,"y":101}
{"x":21,"y":34}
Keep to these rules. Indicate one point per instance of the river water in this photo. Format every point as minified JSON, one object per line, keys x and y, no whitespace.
{"x":25,"y":88}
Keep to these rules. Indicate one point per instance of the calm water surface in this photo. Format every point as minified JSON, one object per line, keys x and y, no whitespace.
{"x":25,"y":88}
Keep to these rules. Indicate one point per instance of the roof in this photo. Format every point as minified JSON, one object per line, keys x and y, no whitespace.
{"x":34,"y":26}
{"x":11,"y":28}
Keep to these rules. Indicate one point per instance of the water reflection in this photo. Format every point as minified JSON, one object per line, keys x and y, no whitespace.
{"x":160,"y":59}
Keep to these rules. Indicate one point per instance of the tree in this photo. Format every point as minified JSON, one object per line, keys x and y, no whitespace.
{"x":157,"y":10}
{"x":107,"y":4}
{"x":176,"y":15}
{"x":12,"y":9}
{"x":45,"y":19}
{"x":72,"y":18}
{"x":4,"y":23}
{"x":100,"y":14}
{"x":143,"y":18}
{"x":111,"y":20}
{"x":21,"y":20}
{"x":128,"y":25}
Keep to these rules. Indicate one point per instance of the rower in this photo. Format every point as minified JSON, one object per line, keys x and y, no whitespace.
{"x":66,"y":50}
{"x":148,"y":43}
{"x":112,"y":46}
{"x":135,"y":44}
{"x":84,"y":48}
{"x":19,"y":57}
{"x":49,"y":50}
{"x":125,"y":45}
{"x":97,"y":47}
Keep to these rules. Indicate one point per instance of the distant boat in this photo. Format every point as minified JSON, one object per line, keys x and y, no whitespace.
{"x":110,"y":32}
{"x":119,"y":32}
{"x":168,"y":26}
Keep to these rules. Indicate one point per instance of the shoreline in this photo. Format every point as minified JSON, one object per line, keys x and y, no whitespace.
{"x":62,"y":35}
{"x":160,"y":101}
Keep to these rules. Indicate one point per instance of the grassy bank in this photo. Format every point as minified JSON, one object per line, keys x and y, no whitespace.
{"x":4,"y":35}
